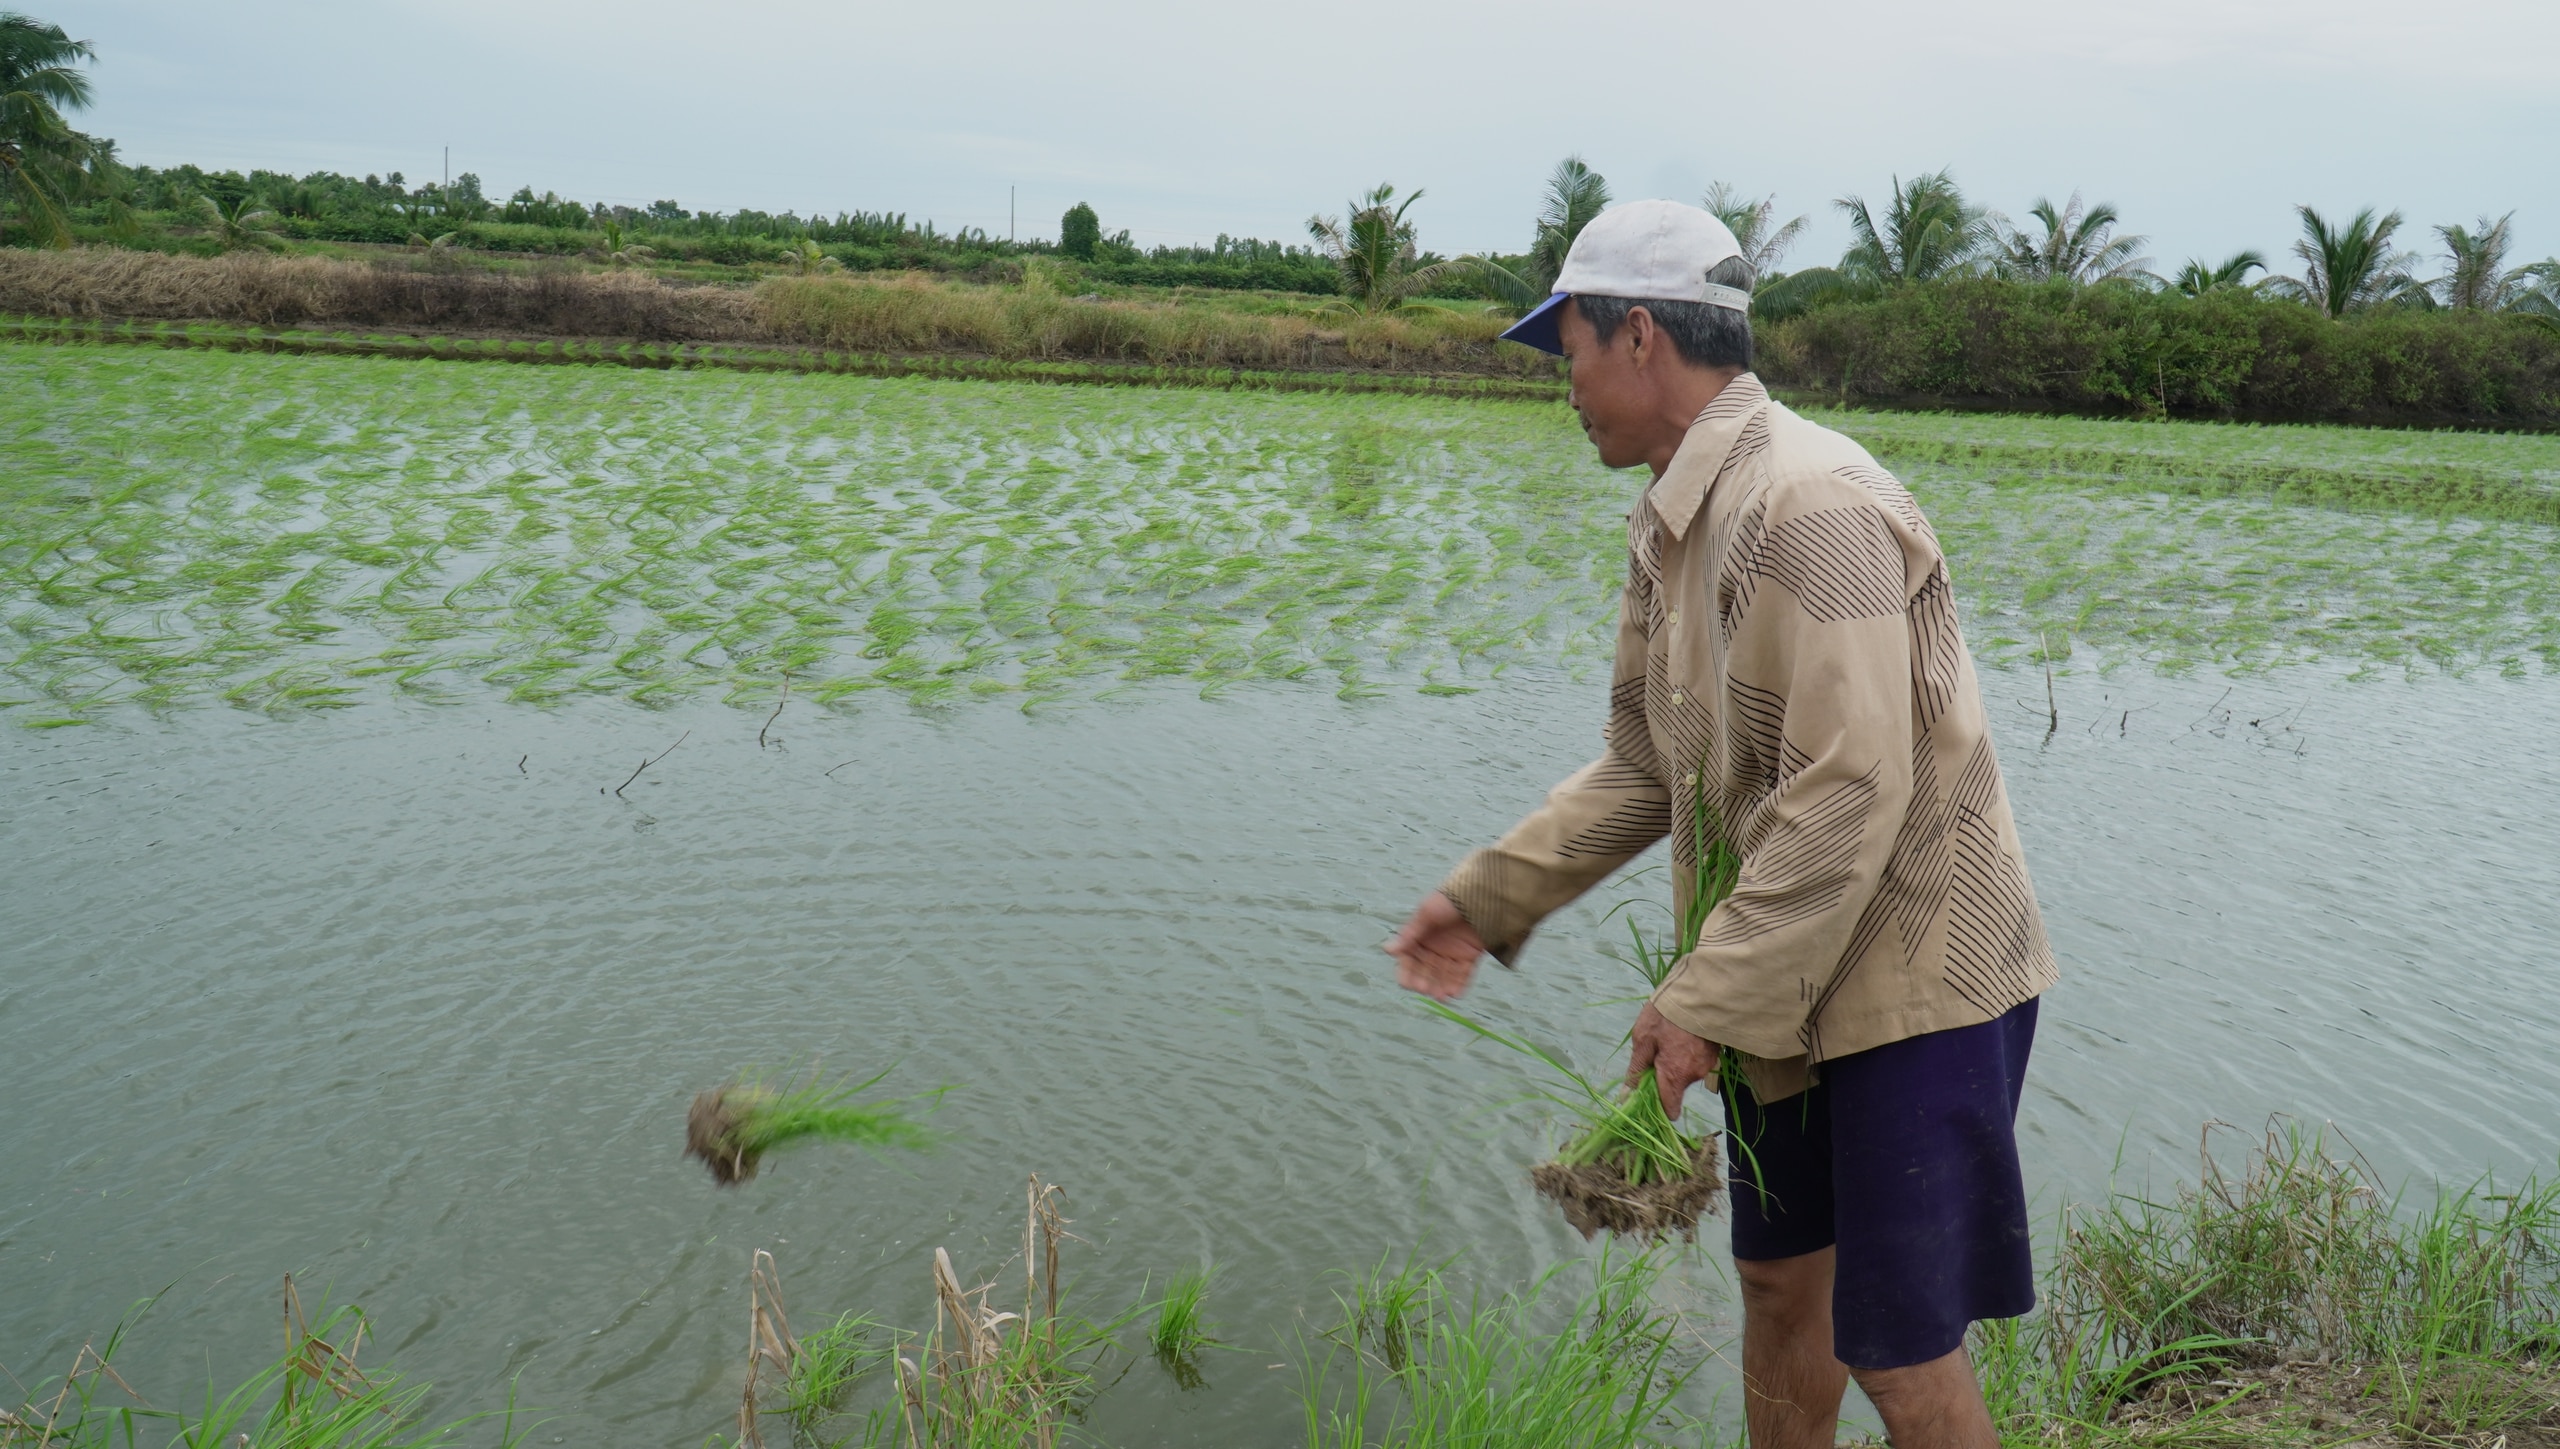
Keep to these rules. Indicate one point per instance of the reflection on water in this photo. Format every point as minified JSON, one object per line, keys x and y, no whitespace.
{"x":407,"y":1001}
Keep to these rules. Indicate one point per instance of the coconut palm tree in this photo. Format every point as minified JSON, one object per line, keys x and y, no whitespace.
{"x":2477,"y":277}
{"x":804,"y":258}
{"x":1928,"y":230}
{"x":2351,"y":267}
{"x":1373,"y":246}
{"x":42,"y":160}
{"x":1763,"y":245}
{"x":2077,"y":246}
{"x":241,"y":224}
{"x":619,"y":252}
{"x":1575,"y":194}
{"x":108,"y":181}
{"x":2197,"y":277}
{"x":2541,"y":296}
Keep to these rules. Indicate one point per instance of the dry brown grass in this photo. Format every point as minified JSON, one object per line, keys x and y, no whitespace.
{"x":894,"y":315}
{"x":290,"y":291}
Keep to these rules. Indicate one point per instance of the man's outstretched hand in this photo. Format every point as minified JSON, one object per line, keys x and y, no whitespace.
{"x":1678,"y":1059}
{"x":1437,"y":951}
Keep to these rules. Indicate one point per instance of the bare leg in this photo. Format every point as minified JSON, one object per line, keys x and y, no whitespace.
{"x":1933,"y":1405}
{"x":1791,"y":1383}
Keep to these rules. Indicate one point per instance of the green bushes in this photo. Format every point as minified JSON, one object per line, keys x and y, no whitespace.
{"x":911,"y":314}
{"x":2123,"y":350}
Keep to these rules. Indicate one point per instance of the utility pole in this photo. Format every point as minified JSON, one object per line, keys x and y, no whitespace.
{"x":1009,"y":211}
{"x":448,"y":168}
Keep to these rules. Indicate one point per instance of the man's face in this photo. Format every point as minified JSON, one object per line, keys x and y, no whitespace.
{"x":1607,"y":391}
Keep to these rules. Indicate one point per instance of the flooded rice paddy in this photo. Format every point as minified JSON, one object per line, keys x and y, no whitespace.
{"x":326,"y":945}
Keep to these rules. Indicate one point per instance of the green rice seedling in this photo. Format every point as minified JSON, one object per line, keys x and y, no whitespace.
{"x":1626,"y":1166}
{"x":180,"y":526}
{"x":1180,"y":1331}
{"x":1418,"y":1362}
{"x":830,"y":1364}
{"x":312,"y":1397}
{"x":731,"y":1128}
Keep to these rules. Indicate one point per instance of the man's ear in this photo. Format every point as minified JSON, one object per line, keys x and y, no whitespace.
{"x":1641,"y":335}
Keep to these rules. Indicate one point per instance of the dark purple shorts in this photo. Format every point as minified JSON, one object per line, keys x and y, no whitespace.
{"x":1906,"y":1158}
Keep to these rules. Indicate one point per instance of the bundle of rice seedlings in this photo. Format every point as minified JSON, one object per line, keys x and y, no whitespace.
{"x":1628,"y":1168}
{"x":1181,"y":1330}
{"x":732,"y":1127}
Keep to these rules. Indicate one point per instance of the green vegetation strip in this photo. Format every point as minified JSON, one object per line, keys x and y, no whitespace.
{"x":295,"y":532}
{"x":2286,"y":1298}
{"x":734,"y":357}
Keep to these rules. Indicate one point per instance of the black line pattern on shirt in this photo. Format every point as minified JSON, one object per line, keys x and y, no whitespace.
{"x":1644,"y":568}
{"x":1686,"y":722}
{"x":1483,"y":890}
{"x":1924,"y":819}
{"x":1937,"y":650}
{"x":1803,"y":870}
{"x":1638,"y":818}
{"x":1743,"y":569}
{"x":1842,"y":563}
{"x":1756,"y":736}
{"x":1628,"y":732}
{"x":1748,"y":444}
{"x":1995,"y":939}
{"x":1891,"y":495}
{"x":1737,"y":397}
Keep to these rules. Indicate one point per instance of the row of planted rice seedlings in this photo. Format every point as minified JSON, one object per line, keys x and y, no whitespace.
{"x":869,"y":537}
{"x":291,"y":532}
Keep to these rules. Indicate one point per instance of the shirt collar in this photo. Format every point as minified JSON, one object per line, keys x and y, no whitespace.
{"x":1683,"y":486}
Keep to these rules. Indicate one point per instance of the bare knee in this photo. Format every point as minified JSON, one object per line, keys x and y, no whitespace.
{"x":1787,"y":1288}
{"x":1938,"y":1403}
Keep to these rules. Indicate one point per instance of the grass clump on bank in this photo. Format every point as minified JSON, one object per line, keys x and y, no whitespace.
{"x":2291,"y":1300}
{"x":314,"y":1396}
{"x":1418,"y":1362}
{"x":731,"y":1128}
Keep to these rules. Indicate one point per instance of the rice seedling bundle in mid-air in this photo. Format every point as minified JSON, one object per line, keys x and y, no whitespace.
{"x":731,"y":1128}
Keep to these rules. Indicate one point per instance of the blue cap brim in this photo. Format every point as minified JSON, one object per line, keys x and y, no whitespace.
{"x":1539,"y":328}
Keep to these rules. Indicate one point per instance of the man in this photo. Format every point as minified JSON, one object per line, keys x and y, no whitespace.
{"x":1790,"y":681}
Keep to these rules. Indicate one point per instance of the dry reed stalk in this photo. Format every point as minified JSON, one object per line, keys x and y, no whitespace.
{"x":308,"y":1356}
{"x":769,"y":1340}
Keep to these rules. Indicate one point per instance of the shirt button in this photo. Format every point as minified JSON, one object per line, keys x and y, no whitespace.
{"x":1675,"y":616}
{"x":1689,"y":781}
{"x":1675,"y":696}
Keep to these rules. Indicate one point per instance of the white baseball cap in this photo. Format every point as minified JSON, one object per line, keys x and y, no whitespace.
{"x":1646,"y":250}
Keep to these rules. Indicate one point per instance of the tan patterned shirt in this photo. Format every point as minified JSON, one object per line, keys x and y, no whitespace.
{"x":1789,"y":662}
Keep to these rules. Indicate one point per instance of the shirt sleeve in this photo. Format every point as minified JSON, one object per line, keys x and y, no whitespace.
{"x":1596,"y":820}
{"x":1821,"y":712}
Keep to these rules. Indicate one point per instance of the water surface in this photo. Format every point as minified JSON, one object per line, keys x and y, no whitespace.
{"x":404,"y":1000}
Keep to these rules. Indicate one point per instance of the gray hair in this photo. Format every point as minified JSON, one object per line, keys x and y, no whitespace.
{"x":1704,"y":334}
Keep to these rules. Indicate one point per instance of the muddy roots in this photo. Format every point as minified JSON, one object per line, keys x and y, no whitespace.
{"x":711,"y":1133}
{"x":1596,"y":1196}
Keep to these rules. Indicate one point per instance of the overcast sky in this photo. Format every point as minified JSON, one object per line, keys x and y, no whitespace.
{"x":2205,"y":121}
